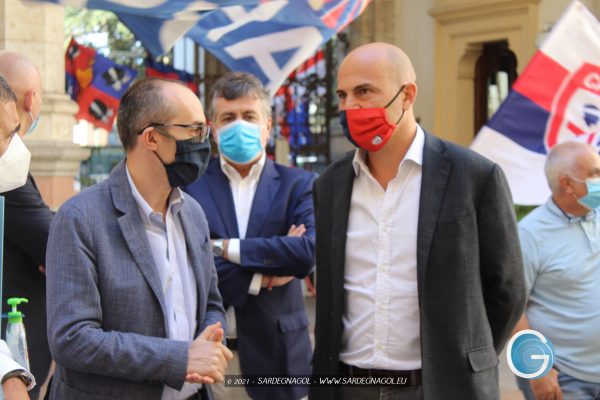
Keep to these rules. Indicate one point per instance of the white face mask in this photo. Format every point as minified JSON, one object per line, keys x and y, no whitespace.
{"x":14,"y":165}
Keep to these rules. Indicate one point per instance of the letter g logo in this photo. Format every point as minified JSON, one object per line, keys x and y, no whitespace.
{"x":530,"y":355}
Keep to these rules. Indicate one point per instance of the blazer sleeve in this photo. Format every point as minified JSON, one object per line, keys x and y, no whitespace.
{"x":27,"y":220}
{"x":500,"y":258}
{"x":284,"y":255}
{"x":75,"y":333}
{"x":233,"y":282}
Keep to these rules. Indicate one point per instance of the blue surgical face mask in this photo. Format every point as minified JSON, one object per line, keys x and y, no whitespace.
{"x":239,"y":141}
{"x":592,"y":199}
{"x":34,"y":123}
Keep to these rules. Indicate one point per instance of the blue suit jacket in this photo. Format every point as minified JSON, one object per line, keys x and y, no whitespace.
{"x":273,"y":326}
{"x":106,"y":325}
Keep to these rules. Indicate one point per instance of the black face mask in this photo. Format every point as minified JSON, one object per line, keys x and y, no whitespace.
{"x":191,"y":160}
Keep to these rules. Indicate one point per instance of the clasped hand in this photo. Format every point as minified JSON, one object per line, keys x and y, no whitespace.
{"x":208,"y":356}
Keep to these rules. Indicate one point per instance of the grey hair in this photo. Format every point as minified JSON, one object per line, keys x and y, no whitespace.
{"x":562,"y":160}
{"x":143,"y":103}
{"x":6,"y":93}
{"x":234,"y":85}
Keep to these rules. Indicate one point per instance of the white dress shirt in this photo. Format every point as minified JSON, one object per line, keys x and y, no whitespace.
{"x":381,"y":320}
{"x":7,"y":364}
{"x":169,"y":251}
{"x":243,"y":191}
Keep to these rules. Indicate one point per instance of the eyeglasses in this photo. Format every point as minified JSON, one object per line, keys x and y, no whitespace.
{"x":199,"y":132}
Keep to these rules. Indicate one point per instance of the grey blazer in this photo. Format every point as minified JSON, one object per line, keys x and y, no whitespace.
{"x":106,"y":325}
{"x":469,"y":271}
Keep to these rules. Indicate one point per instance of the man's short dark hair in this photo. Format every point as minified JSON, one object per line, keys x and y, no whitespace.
{"x":234,"y":85}
{"x":6,"y":93}
{"x":143,"y":103}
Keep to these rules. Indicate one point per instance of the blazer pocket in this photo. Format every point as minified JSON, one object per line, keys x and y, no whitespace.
{"x":482,"y":358}
{"x":293,"y":321}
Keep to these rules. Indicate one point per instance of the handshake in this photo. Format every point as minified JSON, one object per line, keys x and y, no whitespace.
{"x":207,"y":356}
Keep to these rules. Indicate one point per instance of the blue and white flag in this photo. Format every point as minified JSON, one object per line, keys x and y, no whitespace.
{"x":556,"y":98}
{"x":268,"y":38}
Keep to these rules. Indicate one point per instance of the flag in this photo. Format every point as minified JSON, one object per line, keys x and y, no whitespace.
{"x":79,"y":62}
{"x":291,"y":102}
{"x":157,"y":69}
{"x":556,"y":98}
{"x":96,"y":83}
{"x":268,"y":38}
{"x":272,"y":38}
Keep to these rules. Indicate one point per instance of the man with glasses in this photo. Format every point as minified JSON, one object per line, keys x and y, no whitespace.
{"x":27,"y":221}
{"x":261,"y":221}
{"x":14,"y":164}
{"x":133,"y":306}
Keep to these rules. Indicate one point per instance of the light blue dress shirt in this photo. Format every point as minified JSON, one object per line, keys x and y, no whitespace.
{"x":562,"y":271}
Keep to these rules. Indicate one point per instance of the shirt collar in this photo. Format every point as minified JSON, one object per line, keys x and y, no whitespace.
{"x":176,"y":200}
{"x":255,"y":171}
{"x":571,"y":219}
{"x":414,"y":153}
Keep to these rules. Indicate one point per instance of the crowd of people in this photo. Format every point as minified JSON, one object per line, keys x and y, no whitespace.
{"x":180,"y":269}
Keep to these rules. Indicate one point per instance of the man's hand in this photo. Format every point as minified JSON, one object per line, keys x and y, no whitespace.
{"x":547,"y":388}
{"x":14,"y":389}
{"x":270,"y":281}
{"x":207,"y":356}
{"x":297,"y":231}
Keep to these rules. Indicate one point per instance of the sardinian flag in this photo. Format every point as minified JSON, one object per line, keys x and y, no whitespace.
{"x":556,"y":99}
{"x":268,"y":38}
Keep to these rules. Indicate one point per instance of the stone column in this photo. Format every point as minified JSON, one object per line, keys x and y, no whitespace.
{"x":36,"y":29}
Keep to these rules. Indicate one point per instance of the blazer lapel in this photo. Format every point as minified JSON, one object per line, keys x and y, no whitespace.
{"x":218,"y":184}
{"x":435,"y":173}
{"x":342,"y":195}
{"x":133,"y":231}
{"x":267,"y":188}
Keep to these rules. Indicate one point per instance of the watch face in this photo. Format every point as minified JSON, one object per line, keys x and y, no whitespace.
{"x":217,"y":250}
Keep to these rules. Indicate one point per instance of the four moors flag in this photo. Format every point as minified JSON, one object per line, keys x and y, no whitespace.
{"x":556,"y":99}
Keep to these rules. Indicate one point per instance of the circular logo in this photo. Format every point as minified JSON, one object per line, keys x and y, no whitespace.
{"x":529,"y":354}
{"x":377,"y":140}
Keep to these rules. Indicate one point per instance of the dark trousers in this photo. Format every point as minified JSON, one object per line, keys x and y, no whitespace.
{"x":380,"y":393}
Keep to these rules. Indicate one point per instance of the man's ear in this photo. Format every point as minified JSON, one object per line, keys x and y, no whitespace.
{"x":29,"y":100}
{"x":265,"y":136}
{"x":148,"y":138}
{"x":409,"y":95}
{"x":565,"y":184}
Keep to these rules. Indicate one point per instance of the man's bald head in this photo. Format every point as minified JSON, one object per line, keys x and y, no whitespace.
{"x":25,"y":80}
{"x":390,"y":58}
{"x":573,"y":159}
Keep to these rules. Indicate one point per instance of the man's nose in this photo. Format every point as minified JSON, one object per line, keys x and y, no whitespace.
{"x":349,"y":102}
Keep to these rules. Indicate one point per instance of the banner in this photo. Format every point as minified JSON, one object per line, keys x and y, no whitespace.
{"x":556,"y":98}
{"x":96,"y":83}
{"x":268,"y":38}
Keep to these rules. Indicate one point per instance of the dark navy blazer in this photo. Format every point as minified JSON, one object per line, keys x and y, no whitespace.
{"x":272,"y":327}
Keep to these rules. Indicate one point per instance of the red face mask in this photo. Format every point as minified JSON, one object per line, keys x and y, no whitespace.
{"x":369,"y":128}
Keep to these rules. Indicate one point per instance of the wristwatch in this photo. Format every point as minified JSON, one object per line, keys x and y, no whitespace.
{"x":18,"y":373}
{"x":218,"y":248}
